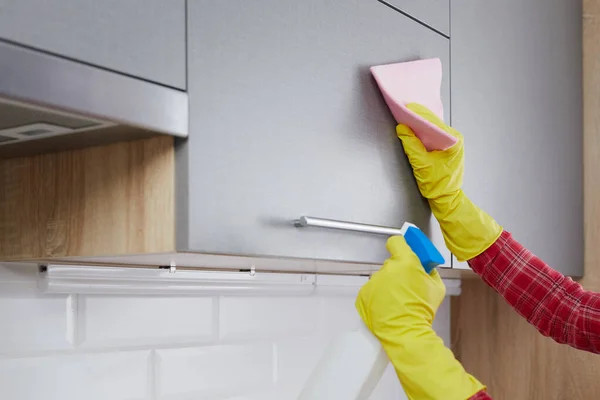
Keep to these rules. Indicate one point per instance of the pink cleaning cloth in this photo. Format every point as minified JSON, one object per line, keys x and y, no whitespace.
{"x":415,"y":82}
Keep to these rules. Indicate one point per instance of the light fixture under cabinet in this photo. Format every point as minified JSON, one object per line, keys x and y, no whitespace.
{"x":83,"y":279}
{"x":67,"y":279}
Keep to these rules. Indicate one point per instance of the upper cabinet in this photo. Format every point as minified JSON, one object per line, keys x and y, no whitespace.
{"x":141,"y":38}
{"x":517,"y":99}
{"x":286,"y":120}
{"x":433,"y":13}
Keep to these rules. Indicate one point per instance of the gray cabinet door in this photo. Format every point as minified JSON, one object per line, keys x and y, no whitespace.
{"x":517,"y":98}
{"x":286,"y":120}
{"x":433,"y":13}
{"x":142,"y":38}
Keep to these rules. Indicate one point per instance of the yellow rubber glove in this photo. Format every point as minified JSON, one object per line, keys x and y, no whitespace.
{"x":398,"y":305}
{"x":467,"y":230}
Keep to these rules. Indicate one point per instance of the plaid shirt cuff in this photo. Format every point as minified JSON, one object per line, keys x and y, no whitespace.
{"x":481,"y":396}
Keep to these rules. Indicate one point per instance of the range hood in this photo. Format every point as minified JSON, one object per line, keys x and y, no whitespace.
{"x":49,"y":103}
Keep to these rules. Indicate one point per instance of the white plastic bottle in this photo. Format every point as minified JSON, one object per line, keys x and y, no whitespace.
{"x":350,"y":368}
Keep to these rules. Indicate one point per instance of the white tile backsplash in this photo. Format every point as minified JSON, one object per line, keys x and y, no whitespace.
{"x":33,"y":323}
{"x":115,"y":376}
{"x":144,"y":320}
{"x":266,"y":317}
{"x":337,"y":314}
{"x":214,"y":371}
{"x":171,"y":347}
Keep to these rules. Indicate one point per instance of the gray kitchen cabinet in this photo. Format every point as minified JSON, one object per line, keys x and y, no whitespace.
{"x":517,"y":99}
{"x":286,"y":120}
{"x":433,"y":13}
{"x":142,"y":38}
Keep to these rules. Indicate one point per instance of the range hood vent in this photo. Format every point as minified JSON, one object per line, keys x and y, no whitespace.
{"x":24,"y":122}
{"x":49,"y":103}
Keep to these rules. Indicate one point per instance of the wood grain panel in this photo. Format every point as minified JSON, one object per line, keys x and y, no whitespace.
{"x":114,"y":199}
{"x":507,"y":354}
{"x":490,"y":339}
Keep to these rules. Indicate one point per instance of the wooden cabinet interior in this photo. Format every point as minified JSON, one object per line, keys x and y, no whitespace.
{"x":114,"y":199}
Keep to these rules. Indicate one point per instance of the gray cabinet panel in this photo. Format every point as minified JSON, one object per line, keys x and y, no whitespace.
{"x":435,"y":13}
{"x":286,"y":120}
{"x":144,"y":38}
{"x":517,"y":98}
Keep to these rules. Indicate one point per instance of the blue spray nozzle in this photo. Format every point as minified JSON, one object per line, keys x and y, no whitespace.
{"x":428,"y":254}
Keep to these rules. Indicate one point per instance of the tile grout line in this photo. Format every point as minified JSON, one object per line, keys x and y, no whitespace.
{"x":237,"y":341}
{"x":72,"y":317}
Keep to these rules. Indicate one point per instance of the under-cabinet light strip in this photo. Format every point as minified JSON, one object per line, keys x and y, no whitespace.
{"x":117,"y":280}
{"x":70,"y":279}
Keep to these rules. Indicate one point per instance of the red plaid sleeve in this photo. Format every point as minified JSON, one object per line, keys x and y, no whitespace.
{"x":556,"y":305}
{"x":481,"y":396}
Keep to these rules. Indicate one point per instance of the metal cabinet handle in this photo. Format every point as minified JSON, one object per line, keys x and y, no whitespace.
{"x":347,"y":226}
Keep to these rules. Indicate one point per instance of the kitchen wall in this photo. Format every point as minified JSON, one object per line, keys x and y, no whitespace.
{"x":496,"y":344}
{"x":167,"y":347}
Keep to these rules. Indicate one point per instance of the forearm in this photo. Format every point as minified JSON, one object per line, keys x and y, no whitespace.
{"x":556,"y":305}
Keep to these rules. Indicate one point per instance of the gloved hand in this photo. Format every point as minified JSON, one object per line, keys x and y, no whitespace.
{"x":398,"y":305}
{"x":467,"y":230}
